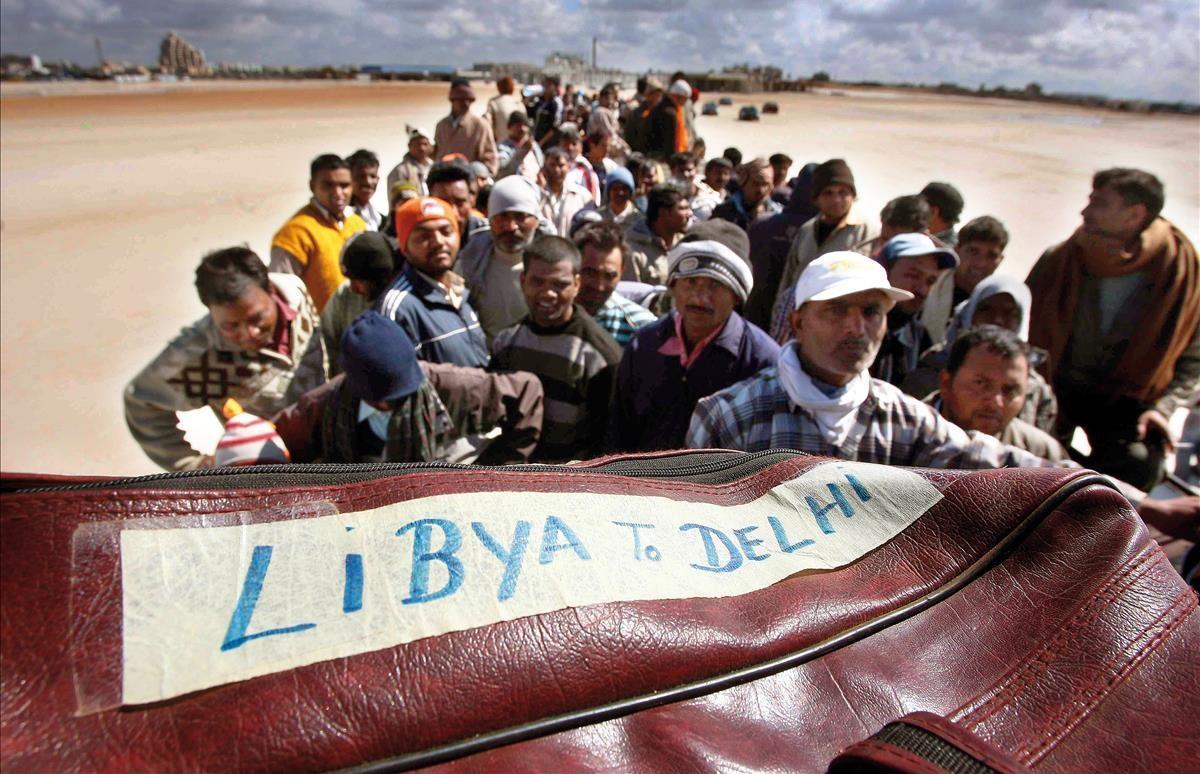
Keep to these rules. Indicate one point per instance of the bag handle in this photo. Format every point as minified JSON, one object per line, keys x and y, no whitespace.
{"x":924,"y":743}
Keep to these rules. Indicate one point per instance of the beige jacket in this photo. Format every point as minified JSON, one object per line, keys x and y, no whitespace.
{"x":199,"y":368}
{"x":471,"y":136}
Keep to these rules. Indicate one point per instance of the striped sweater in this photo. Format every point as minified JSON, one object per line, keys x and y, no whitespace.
{"x":576,"y":363}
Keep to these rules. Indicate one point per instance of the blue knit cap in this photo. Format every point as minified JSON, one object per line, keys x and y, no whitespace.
{"x":378,"y":359}
{"x":623,"y":176}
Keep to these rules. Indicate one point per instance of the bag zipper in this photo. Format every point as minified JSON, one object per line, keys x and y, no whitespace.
{"x":252,"y":476}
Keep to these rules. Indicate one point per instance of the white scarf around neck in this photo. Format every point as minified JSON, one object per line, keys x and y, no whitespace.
{"x":834,"y":414}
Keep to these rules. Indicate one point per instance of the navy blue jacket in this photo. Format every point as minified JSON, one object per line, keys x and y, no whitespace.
{"x":655,"y":397}
{"x":439,"y":332}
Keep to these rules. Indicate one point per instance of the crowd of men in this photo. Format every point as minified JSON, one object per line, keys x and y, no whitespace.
{"x":564,"y":277}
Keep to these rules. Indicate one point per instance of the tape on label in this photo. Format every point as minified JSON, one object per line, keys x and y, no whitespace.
{"x":209,"y":606}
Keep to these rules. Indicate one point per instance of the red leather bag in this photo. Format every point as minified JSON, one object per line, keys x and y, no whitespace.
{"x":1024,"y":612}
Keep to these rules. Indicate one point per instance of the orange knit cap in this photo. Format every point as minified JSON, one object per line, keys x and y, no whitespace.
{"x":415,"y":211}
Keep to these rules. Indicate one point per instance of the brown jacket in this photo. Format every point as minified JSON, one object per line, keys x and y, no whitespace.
{"x":472,"y":137}
{"x":476,"y":402}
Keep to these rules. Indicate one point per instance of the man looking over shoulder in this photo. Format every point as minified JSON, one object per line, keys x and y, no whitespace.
{"x":1117,"y":307}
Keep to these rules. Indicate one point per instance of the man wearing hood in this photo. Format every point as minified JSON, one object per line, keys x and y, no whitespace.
{"x":388,"y":406}
{"x":1002,"y":301}
{"x":980,"y":251}
{"x":618,"y":199}
{"x":1117,"y":308}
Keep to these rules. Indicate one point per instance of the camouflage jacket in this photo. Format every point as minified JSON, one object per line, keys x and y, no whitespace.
{"x":200,"y":368}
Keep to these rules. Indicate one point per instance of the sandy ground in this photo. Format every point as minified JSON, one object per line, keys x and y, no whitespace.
{"x":110,"y":195}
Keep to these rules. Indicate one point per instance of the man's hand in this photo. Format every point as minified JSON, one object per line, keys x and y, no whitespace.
{"x":1152,"y":421}
{"x":1178,"y":517}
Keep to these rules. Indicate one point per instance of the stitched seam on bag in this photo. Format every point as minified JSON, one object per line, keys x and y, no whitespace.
{"x":1092,"y":696}
{"x":1041,"y":661}
{"x":1015,"y":683}
{"x":375,"y":488}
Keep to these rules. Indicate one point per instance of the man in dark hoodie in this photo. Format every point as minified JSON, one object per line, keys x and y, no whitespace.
{"x":770,"y":240}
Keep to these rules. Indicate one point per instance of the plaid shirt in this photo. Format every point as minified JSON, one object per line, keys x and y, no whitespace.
{"x":622,"y":317}
{"x":891,"y":429}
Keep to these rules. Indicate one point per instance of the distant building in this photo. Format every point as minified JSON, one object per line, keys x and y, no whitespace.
{"x":176,"y":56}
{"x":20,"y":65}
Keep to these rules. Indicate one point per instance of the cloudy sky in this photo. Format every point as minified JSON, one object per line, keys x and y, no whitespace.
{"x":1128,"y":48}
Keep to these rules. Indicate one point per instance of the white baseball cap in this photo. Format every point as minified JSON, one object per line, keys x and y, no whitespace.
{"x":834,"y":275}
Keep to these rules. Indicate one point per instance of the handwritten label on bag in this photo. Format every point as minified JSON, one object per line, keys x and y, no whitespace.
{"x":209,"y":606}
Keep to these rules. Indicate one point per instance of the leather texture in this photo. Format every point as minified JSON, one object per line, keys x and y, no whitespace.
{"x":1029,"y":607}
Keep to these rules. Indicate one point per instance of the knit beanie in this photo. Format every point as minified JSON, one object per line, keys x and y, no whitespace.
{"x":623,"y":176}
{"x":713,"y":260}
{"x":832,"y":172}
{"x":415,"y":211}
{"x":368,"y":256}
{"x":378,"y":359}
{"x":719,"y":230}
{"x":249,"y":440}
{"x":514,"y":194}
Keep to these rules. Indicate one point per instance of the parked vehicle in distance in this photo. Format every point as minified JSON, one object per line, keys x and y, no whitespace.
{"x":710,"y":109}
{"x":748,"y":113}
{"x":770,"y":107}
{"x":726,"y":100}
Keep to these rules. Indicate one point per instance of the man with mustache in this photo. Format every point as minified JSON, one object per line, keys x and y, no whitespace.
{"x":491,"y":263}
{"x":427,"y":299}
{"x":913,"y":263}
{"x":701,"y":347}
{"x":820,"y":398}
{"x":259,"y":344}
{"x":983,"y":387}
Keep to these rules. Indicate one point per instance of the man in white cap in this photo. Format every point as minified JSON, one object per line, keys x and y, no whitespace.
{"x":819,"y":398}
{"x":701,"y":347}
{"x":491,"y":262}
{"x":913,"y":263}
{"x":667,"y":131}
